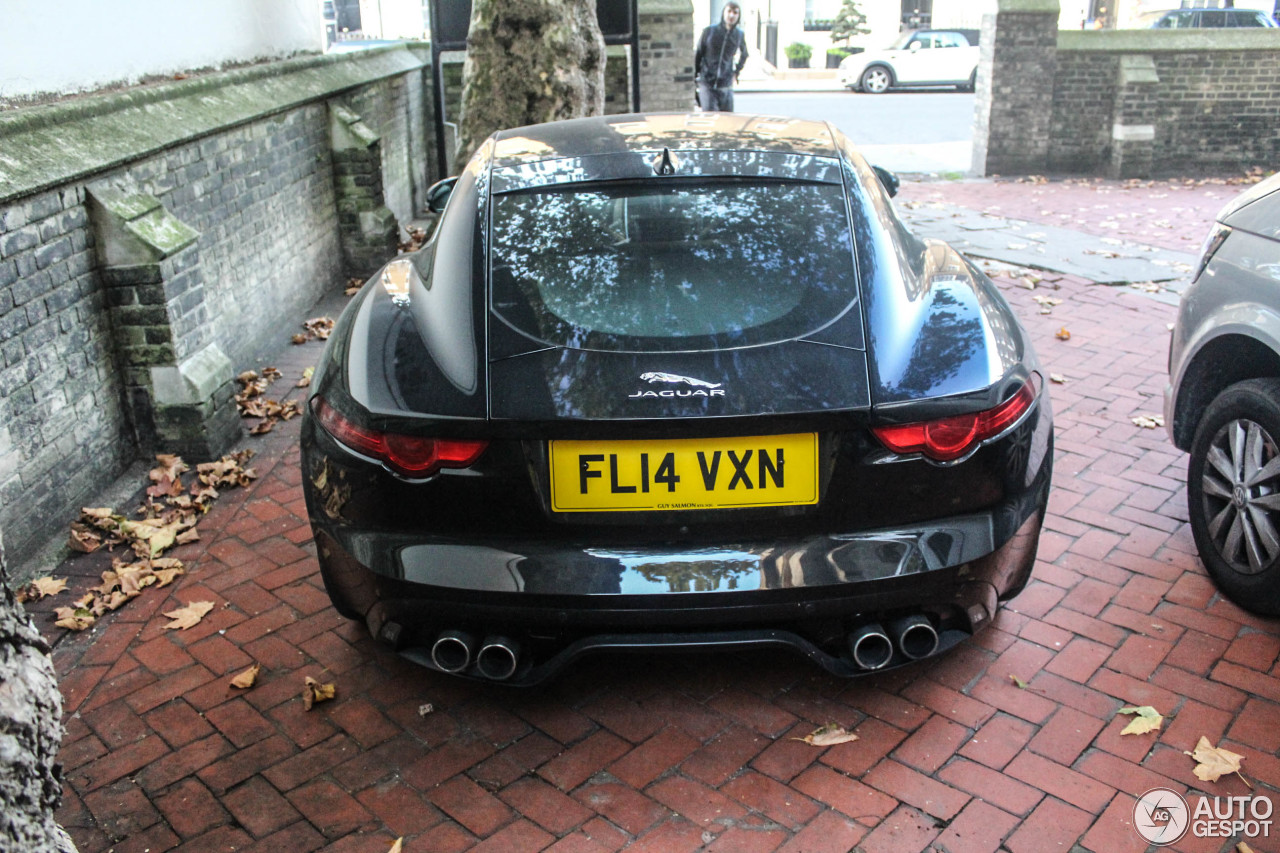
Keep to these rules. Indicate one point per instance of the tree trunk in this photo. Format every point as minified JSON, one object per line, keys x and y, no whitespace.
{"x":529,"y":61}
{"x":30,"y":734}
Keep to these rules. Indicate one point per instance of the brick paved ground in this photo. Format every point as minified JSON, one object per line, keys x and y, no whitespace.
{"x":688,"y":753}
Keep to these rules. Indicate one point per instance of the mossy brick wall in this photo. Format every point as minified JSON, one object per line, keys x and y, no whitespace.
{"x":1215,"y":109}
{"x":262,"y":198}
{"x":253,"y":174}
{"x":666,"y":56}
{"x":63,"y":426}
{"x":1211,"y":107}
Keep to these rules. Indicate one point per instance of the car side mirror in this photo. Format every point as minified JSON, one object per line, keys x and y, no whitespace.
{"x":888,"y":180}
{"x":438,"y":194}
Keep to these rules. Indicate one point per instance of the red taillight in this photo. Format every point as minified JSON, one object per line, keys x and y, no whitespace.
{"x":410,"y":455}
{"x":948,"y":439}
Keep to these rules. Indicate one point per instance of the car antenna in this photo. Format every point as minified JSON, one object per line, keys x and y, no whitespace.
{"x":665,"y":163}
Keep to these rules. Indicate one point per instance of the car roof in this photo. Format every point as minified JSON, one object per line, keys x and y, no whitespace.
{"x":631,"y":134}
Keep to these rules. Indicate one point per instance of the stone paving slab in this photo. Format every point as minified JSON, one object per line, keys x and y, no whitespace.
{"x":688,"y":752}
{"x":1102,"y":260}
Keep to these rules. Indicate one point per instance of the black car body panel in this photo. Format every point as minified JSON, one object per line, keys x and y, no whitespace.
{"x":495,"y":333}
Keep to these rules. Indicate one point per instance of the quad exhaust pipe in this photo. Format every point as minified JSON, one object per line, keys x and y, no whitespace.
{"x":499,"y":658}
{"x":914,"y":636}
{"x":496,"y":658}
{"x":872,"y":646}
{"x":453,"y":650}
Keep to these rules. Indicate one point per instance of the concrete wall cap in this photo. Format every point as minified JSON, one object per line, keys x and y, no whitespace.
{"x":193,"y":381}
{"x":1181,"y":41}
{"x":1046,"y":6}
{"x":61,"y":143}
{"x":665,"y":7}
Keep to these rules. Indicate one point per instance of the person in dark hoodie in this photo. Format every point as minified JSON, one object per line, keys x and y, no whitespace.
{"x":721,"y":53}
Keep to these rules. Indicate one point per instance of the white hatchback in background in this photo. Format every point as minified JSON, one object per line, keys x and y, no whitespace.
{"x":916,"y":58}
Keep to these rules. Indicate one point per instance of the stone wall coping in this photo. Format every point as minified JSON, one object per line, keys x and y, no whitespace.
{"x":1047,"y":6}
{"x":48,"y":146}
{"x":664,"y":7}
{"x":1169,"y":41}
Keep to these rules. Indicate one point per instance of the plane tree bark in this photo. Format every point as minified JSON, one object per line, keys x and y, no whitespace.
{"x":30,"y":734}
{"x":529,"y":61}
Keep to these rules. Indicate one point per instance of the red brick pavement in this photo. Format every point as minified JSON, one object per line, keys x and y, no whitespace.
{"x":688,"y":753}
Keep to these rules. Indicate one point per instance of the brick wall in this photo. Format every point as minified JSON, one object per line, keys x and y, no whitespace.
{"x":63,"y":427}
{"x":666,"y":55}
{"x":1123,"y":103}
{"x":245,"y":162}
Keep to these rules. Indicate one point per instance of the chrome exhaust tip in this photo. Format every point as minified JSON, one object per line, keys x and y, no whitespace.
{"x":452,"y":651}
{"x":870,"y":646}
{"x":498,"y":659}
{"x":915,"y":636}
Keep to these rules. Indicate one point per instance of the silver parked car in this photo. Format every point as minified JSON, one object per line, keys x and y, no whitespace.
{"x":1222,"y":404}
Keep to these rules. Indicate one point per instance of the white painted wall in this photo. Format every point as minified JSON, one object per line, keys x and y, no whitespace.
{"x":60,"y":46}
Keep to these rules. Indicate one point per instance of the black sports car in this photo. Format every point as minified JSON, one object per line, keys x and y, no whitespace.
{"x":674,"y":381}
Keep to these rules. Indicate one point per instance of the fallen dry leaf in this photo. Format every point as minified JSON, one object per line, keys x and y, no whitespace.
{"x":1062,"y":334}
{"x":1146,"y":719}
{"x":1148,"y":421}
{"x":189,"y":616}
{"x":305,"y":381}
{"x":73,"y":618}
{"x":1215,"y":761}
{"x":83,"y":539}
{"x":40,"y":588}
{"x":397,"y":846}
{"x":828,"y":735}
{"x":246,"y":679}
{"x":315,"y":692}
{"x":1057,"y":378}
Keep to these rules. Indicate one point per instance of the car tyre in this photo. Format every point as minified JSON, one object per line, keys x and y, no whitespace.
{"x":877,"y":79}
{"x":1233,"y":493}
{"x":972,"y":84}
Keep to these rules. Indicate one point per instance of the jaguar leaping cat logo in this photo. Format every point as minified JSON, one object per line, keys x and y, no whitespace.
{"x":673,"y":379}
{"x":698,"y":388}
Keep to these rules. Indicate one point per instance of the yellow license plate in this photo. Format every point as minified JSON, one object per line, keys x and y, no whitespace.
{"x":684,"y":473}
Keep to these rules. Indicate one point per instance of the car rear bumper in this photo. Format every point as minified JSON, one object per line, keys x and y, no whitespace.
{"x":557,"y":602}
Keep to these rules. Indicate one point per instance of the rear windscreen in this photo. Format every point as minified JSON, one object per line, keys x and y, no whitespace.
{"x":672,"y":266}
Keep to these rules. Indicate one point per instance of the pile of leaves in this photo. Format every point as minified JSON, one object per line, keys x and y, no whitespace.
{"x":167,"y":518}
{"x":316,"y":329}
{"x":251,"y":402}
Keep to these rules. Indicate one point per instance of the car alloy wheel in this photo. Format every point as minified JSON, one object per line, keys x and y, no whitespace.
{"x":1233,"y":484}
{"x":876,"y":80}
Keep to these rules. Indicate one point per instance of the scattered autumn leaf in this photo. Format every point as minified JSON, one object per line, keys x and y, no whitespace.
{"x":1022,"y":685}
{"x":83,"y":539}
{"x":189,"y":616}
{"x":417,"y":236}
{"x":1148,"y":421}
{"x":41,"y":587}
{"x":353,"y":286}
{"x":1057,"y":378}
{"x":315,"y":692}
{"x":828,"y":735}
{"x":1215,"y":761}
{"x":1146,"y":719}
{"x":318,"y":328}
{"x":397,"y":846}
{"x":1062,"y":334}
{"x":246,"y":679}
{"x":305,"y":381}
{"x":73,"y":618}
